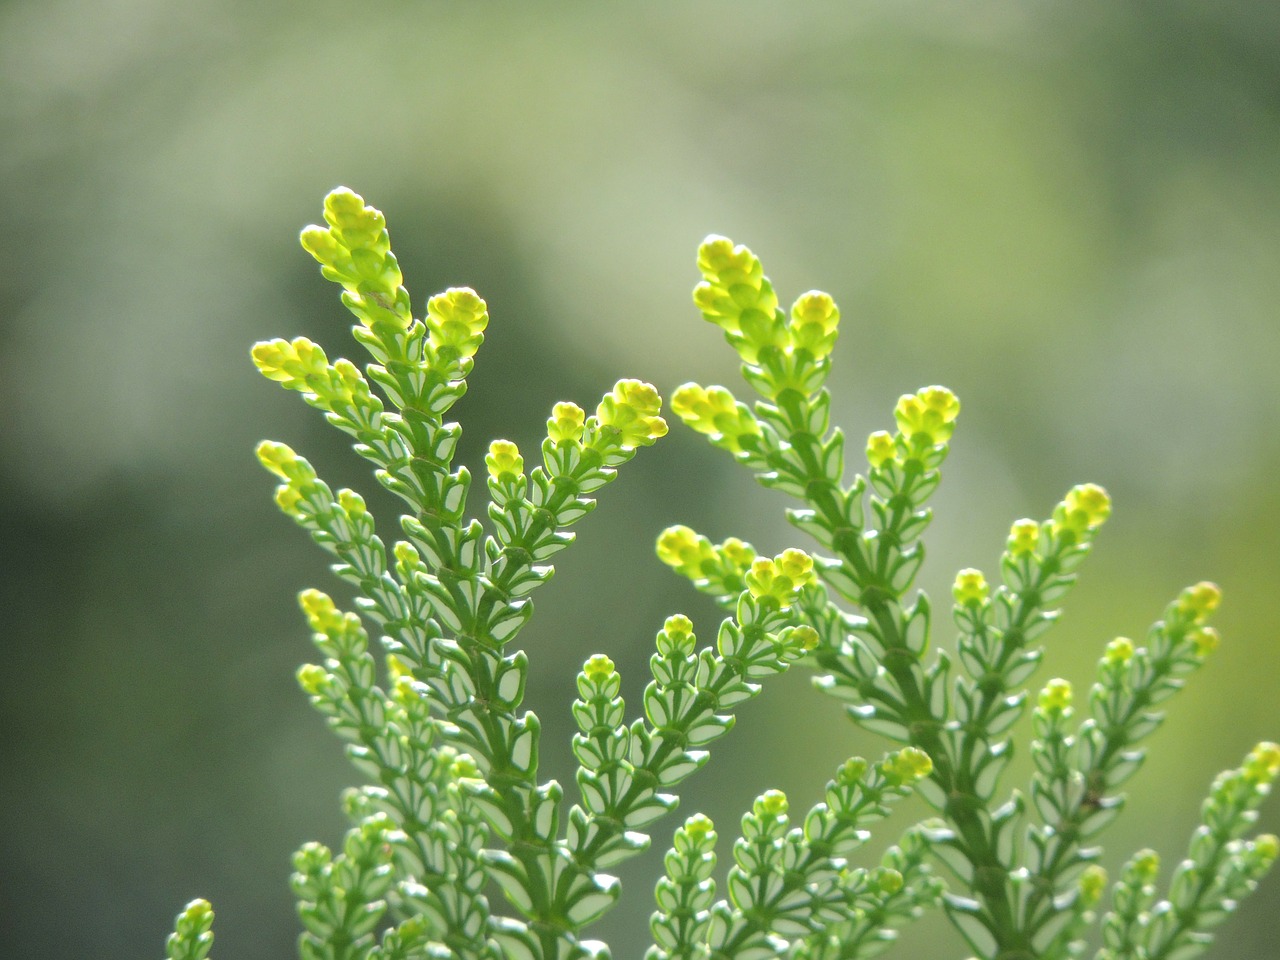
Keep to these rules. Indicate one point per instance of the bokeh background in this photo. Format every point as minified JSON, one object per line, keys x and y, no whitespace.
{"x":1068,"y":212}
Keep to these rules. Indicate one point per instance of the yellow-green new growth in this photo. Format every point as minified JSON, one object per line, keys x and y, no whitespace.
{"x":1119,"y":651}
{"x":714,"y":411}
{"x":881,"y":448}
{"x":700,"y":829}
{"x":1263,"y":763}
{"x":1092,"y":884}
{"x":803,"y":638}
{"x":192,"y":936}
{"x":1146,"y":865}
{"x":926,"y":420}
{"x":814,"y":319}
{"x":598,"y":667}
{"x":1205,"y":640}
{"x":630,"y":413}
{"x":678,"y":626}
{"x":503,"y":460}
{"x":771,"y":803}
{"x":1056,"y":696}
{"x":887,"y":880}
{"x":1084,"y":509}
{"x":279,"y":458}
{"x":321,"y":613}
{"x":851,"y":771}
{"x":355,"y":251}
{"x":1024,"y":538}
{"x":456,"y":808}
{"x":680,"y":548}
{"x":714,"y":568}
{"x":566,"y":423}
{"x":456,"y":321}
{"x":737,"y":296}
{"x":1267,"y":846}
{"x":295,"y":365}
{"x":297,"y":474}
{"x":970,"y":587}
{"x":312,"y":678}
{"x":1200,"y":600}
{"x":909,"y":765}
{"x":781,"y":578}
{"x":927,"y":417}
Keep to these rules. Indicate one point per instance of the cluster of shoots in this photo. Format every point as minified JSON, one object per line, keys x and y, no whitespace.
{"x":457,"y":847}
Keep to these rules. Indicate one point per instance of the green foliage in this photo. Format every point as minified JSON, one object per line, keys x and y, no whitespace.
{"x":1026,"y":883}
{"x":453,"y":814}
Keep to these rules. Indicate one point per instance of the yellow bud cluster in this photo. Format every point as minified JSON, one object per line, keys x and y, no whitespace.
{"x":312,"y":678}
{"x":566,"y":423}
{"x":397,"y":669}
{"x":796,"y":565}
{"x":684,"y":551}
{"x":1146,"y":866}
{"x":632,"y":409}
{"x":352,"y":504}
{"x":279,"y":458}
{"x":676,"y":638}
{"x":291,"y":364}
{"x":406,"y":554}
{"x":456,"y":321}
{"x":196,"y":914}
{"x":464,"y":768}
{"x":504,"y":461}
{"x":814,"y":317}
{"x":678,"y":627}
{"x":699,"y":828}
{"x":1205,"y":640}
{"x":404,"y":691}
{"x":851,"y":771}
{"x":906,"y":766}
{"x":1084,"y":509}
{"x":737,"y":296}
{"x":1263,"y":763}
{"x":598,"y":668}
{"x":1267,"y":846}
{"x":1024,"y":537}
{"x":1199,"y":601}
{"x":355,"y":250}
{"x":321,"y":613}
{"x":803,"y":637}
{"x":771,"y":803}
{"x":888,"y":880}
{"x":1119,"y":650}
{"x":1092,"y":884}
{"x":733,"y":283}
{"x":929,"y":413}
{"x":737,"y":552}
{"x":358,"y":224}
{"x":297,"y":474}
{"x":881,"y":448}
{"x":780,"y":578}
{"x":970,"y":588}
{"x":289,"y":499}
{"x":302,"y":365}
{"x":1056,"y":696}
{"x":695,"y":556}
{"x":714,"y":411}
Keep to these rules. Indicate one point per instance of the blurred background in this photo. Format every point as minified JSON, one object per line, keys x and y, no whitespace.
{"x":1068,"y":212}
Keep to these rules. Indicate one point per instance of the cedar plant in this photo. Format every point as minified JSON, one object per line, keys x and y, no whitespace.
{"x":458,"y":849}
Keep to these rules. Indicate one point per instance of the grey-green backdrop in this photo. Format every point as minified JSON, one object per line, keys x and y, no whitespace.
{"x":1068,"y":212}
